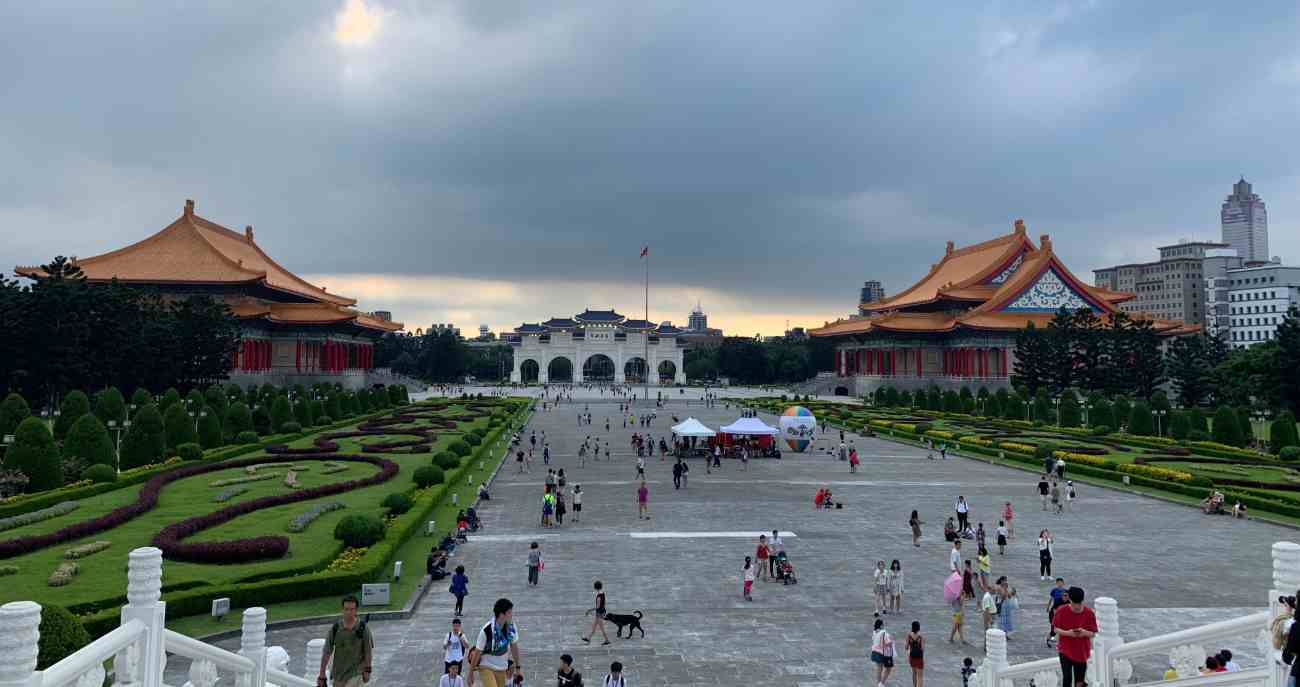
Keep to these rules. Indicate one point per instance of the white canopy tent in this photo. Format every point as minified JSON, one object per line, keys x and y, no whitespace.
{"x":750,"y":426}
{"x":692,"y":428}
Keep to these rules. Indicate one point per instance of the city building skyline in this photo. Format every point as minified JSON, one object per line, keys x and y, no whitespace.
{"x":1243,"y":219}
{"x":1172,"y":287}
{"x":1259,"y":298}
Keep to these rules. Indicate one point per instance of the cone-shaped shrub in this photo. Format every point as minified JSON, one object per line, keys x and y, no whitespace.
{"x":74,"y":405}
{"x":34,"y":454}
{"x":169,"y":398}
{"x":146,"y":441}
{"x":1140,"y":422}
{"x":210,"y":428}
{"x":109,"y":405}
{"x":238,"y":419}
{"x":13,"y":410}
{"x":178,"y":425}
{"x":1226,"y":429}
{"x":88,"y":440}
{"x":280,"y":413}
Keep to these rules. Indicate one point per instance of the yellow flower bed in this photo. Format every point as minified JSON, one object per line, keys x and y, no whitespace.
{"x":1013,"y":446}
{"x":940,"y":433}
{"x":1082,"y":458}
{"x":976,"y":440}
{"x":882,"y":423}
{"x":904,"y":426}
{"x":346,"y":560}
{"x":1156,"y":473}
{"x":1223,"y":447}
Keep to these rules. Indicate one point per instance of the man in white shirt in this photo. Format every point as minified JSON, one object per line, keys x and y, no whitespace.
{"x":454,"y":646}
{"x":775,"y":545}
{"x":954,"y":557}
{"x":487,"y":660}
{"x":452,"y":677}
{"x":963,"y":513}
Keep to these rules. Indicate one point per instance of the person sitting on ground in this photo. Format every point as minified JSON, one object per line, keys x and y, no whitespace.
{"x":1239,"y":510}
{"x":436,"y":565}
{"x":462,"y":527}
{"x":968,"y":533}
{"x":483,"y":492}
{"x":949,"y":530}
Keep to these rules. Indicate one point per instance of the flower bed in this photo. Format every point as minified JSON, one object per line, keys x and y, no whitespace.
{"x":169,"y":538}
{"x":1014,"y":446}
{"x":63,"y":574}
{"x":86,"y":550}
{"x":227,"y":494}
{"x":300,"y":523}
{"x":347,"y":560}
{"x":1084,"y":458}
{"x":1156,"y":473}
{"x":244,"y":479}
{"x":38,"y":515}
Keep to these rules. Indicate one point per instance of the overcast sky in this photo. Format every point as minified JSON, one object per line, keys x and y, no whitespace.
{"x":494,"y":162}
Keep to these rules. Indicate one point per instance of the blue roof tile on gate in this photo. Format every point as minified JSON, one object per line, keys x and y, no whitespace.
{"x":560,"y":323}
{"x":638,"y":324}
{"x":526,"y":328}
{"x":590,"y":315}
{"x":669,"y":329}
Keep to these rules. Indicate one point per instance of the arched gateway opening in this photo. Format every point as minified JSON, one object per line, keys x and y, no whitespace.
{"x":528,"y":370}
{"x":634,"y":370}
{"x":560,"y":371}
{"x":667,"y":372}
{"x":598,"y":368}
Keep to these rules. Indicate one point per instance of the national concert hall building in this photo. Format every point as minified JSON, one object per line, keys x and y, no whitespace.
{"x":957,"y":326}
{"x":293,"y":331}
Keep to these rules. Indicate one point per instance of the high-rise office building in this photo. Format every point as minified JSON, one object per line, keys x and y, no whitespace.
{"x":1172,"y":288}
{"x":1245,"y":223}
{"x":1259,"y":299}
{"x":871,"y":291}
{"x":698,"y":321}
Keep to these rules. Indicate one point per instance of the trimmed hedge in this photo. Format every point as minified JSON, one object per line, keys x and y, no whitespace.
{"x":397,"y":503}
{"x":359,"y":531}
{"x":459,"y":448}
{"x":428,"y":476}
{"x":100,"y":474}
{"x":42,"y":515}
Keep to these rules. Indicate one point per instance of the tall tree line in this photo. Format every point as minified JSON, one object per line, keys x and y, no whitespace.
{"x":746,"y":360}
{"x":442,"y":356}
{"x":62,"y":333}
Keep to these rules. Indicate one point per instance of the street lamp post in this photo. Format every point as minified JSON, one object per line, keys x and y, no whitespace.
{"x":50,"y":417}
{"x":1260,"y":416}
{"x":1159,"y":414}
{"x":117,"y":445}
{"x":1086,"y":407}
{"x":1057,"y":402}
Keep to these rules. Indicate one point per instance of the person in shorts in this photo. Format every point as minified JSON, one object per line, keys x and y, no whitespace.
{"x":599,"y":622}
{"x":487,"y":658}
{"x":882,"y":652}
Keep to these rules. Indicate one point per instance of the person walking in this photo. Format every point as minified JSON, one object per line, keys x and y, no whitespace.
{"x":577,"y":503}
{"x":454,"y":647}
{"x":459,"y":589}
{"x":914,"y":521}
{"x":963,"y":513}
{"x":1075,"y":626}
{"x":677,"y":474}
{"x":598,"y":623}
{"x":1045,"y":542}
{"x":560,"y":508}
{"x":1043,"y":490}
{"x":747,"y":577}
{"x":776,"y":546}
{"x":546,"y":454}
{"x":1057,"y":597}
{"x":762,"y":555}
{"x":956,"y":606}
{"x":1008,"y":515}
{"x":915,"y":644}
{"x":880,"y":576}
{"x":351,"y":647}
{"x":1070,"y":494}
{"x":895,"y":586}
{"x":1002,"y":538}
{"x":534,"y":563}
{"x":844,"y":450}
{"x":1007,"y":611}
{"x":853,"y":460}
{"x":487,"y":658}
{"x":882,"y":651}
{"x":954,"y":557}
{"x":1056,"y":497}
{"x":686,"y":469}
{"x":642,"y":502}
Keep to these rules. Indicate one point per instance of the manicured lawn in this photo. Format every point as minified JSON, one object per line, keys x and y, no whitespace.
{"x":103,"y":575}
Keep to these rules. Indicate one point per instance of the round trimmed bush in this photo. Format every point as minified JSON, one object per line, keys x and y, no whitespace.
{"x":324,"y":420}
{"x":428,"y":476}
{"x":246,"y":437}
{"x":473,"y":439}
{"x":397,"y":503}
{"x":479,"y":432}
{"x":100,"y":473}
{"x":1100,"y":430}
{"x":446,"y":460}
{"x":1290,"y":454}
{"x":359,"y":531}
{"x":1198,"y":435}
{"x":291,"y":427}
{"x":190,"y":451}
{"x":459,"y":447}
{"x":61,"y":634}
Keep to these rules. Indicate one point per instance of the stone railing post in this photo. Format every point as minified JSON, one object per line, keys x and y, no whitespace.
{"x":311,"y":666}
{"x":143,"y":662}
{"x":995,"y":658}
{"x":20,"y":636}
{"x":252,"y":642}
{"x":1106,"y":641}
{"x":1286,"y":581}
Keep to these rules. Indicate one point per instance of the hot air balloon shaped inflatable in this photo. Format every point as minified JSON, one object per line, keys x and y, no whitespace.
{"x":798,"y":426}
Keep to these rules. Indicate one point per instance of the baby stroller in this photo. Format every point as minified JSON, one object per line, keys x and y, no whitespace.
{"x":785,"y":571}
{"x":471,"y":516}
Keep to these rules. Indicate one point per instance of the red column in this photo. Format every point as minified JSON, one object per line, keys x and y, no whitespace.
{"x":919,"y":362}
{"x":1006,"y":371}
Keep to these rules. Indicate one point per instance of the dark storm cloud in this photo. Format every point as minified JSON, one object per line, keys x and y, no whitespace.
{"x":759,"y":147}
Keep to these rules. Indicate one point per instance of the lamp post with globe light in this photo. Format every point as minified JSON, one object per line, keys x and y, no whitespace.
{"x":117,"y":430}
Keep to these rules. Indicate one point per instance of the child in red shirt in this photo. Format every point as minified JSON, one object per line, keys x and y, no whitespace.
{"x":761,"y":554}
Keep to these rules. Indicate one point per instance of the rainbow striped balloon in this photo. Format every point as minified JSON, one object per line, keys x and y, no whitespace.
{"x":798,"y":426}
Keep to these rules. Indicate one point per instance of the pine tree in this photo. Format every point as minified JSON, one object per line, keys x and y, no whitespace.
{"x":1030,"y":369}
{"x":1288,"y":359}
{"x":1070,"y":411}
{"x":1043,"y":410}
{"x":178,"y":426}
{"x":1199,"y":423}
{"x":1246,"y":425}
{"x":35,"y":454}
{"x":1189,"y":369}
{"x":88,"y":440}
{"x":1140,"y":422}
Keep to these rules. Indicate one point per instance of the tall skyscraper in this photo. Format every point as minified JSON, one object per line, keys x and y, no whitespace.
{"x":1245,"y":223}
{"x":698,"y":321}
{"x":871,"y":291}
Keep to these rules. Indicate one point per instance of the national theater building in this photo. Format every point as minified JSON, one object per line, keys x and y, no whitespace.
{"x":293,"y":332}
{"x":597,"y":346}
{"x":957,"y":326}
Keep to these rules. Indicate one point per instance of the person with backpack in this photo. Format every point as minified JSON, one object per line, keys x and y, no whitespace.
{"x":454,"y":646}
{"x":567,"y":675}
{"x":351,"y":646}
{"x":460,"y":589}
{"x":615,"y":677}
{"x":487,"y":658}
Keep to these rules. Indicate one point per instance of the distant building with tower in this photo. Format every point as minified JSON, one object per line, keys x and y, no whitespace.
{"x":1181,"y":285}
{"x":1245,"y":223}
{"x":698,"y":332}
{"x":872,"y":291}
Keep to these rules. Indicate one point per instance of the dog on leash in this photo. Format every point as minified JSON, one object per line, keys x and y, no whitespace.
{"x":630,"y":621}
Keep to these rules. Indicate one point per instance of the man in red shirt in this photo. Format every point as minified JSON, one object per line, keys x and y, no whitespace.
{"x":1075,"y":626}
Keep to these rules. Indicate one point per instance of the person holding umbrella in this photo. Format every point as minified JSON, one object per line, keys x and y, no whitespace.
{"x":952,"y":594}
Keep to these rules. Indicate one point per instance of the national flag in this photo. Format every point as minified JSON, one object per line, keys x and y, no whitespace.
{"x":645,"y":250}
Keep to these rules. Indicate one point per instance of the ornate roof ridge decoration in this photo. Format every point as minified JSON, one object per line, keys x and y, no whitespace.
{"x":202,"y":249}
{"x":590,"y":315}
{"x":309,"y":313}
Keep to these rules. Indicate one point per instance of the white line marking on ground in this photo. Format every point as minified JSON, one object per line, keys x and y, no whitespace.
{"x":702,"y":535}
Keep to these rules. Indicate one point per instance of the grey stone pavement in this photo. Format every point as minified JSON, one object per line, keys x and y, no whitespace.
{"x":1168,"y":566}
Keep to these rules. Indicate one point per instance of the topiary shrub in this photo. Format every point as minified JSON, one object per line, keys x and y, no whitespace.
{"x":1289,"y":454}
{"x":359,"y":531}
{"x":247,"y":437}
{"x":397,"y":503}
{"x":324,"y":420}
{"x":1226,"y":430}
{"x":109,"y":405}
{"x":88,"y":440}
{"x":144,"y":442}
{"x":333,"y":406}
{"x":100,"y":474}
{"x":1198,"y":435}
{"x":1282,"y":432}
{"x":1100,"y":430}
{"x":178,"y":426}
{"x":238,"y":419}
{"x":473,"y":439}
{"x":291,"y":427}
{"x":190,"y":451}
{"x":302,"y":413}
{"x":317,"y":412}
{"x":459,"y":447}
{"x":1180,"y":425}
{"x":12,"y":412}
{"x":261,"y":420}
{"x":210,"y":428}
{"x":74,"y":405}
{"x":1140,"y":421}
{"x":34,"y":454}
{"x":61,"y":635}
{"x":446,"y":460}
{"x":428,"y":475}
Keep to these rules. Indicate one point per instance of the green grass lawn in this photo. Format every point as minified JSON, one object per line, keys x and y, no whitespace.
{"x":103,"y":575}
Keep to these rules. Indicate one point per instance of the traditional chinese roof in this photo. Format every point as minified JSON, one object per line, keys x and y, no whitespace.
{"x":669,"y":329}
{"x":560,"y":323}
{"x":310,"y":314}
{"x":638,"y":324}
{"x":526,"y":328}
{"x":602,"y":316}
{"x":195,"y":250}
{"x":1003,"y":284}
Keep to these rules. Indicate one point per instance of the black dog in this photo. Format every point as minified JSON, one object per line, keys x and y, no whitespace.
{"x":632,"y":622}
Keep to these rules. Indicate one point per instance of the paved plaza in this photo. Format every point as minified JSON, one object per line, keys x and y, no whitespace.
{"x":1168,"y":566}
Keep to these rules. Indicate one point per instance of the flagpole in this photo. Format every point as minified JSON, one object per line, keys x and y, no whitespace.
{"x":645,"y":376}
